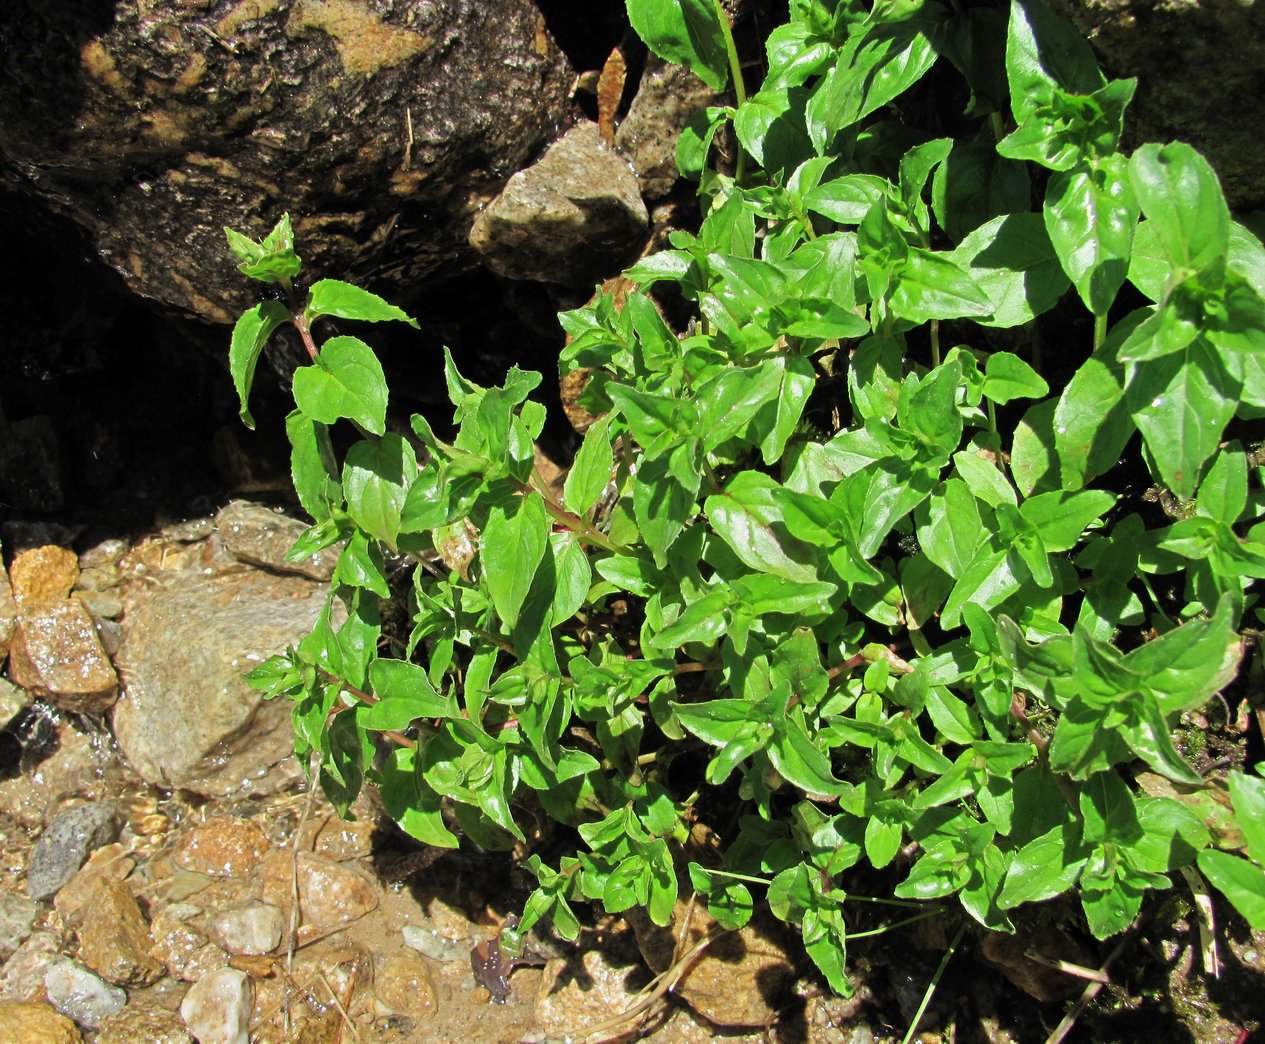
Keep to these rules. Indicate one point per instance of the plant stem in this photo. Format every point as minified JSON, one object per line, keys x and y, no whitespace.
{"x":300,"y":324}
{"x":735,"y":73}
{"x":931,"y":986}
{"x":935,"y":342}
{"x":892,"y":927}
{"x":1100,"y":331}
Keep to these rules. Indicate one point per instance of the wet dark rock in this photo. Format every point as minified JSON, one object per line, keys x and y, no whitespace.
{"x":569,"y":219}
{"x":258,"y":535}
{"x":31,"y":474}
{"x":666,"y":99}
{"x":66,"y":843}
{"x":187,"y":640}
{"x":1216,"y":102}
{"x":379,"y":126}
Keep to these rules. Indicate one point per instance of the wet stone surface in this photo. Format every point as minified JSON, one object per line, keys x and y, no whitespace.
{"x":63,"y":847}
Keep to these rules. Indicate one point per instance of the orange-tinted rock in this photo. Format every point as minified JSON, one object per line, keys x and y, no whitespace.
{"x":186,"y":951}
{"x":8,"y":614}
{"x":44,"y":574}
{"x":107,"y":864}
{"x":330,"y":893}
{"x":403,"y":985}
{"x":137,"y":1023}
{"x":36,"y":1024}
{"x":114,"y":940}
{"x":56,"y":653}
{"x":222,"y":847}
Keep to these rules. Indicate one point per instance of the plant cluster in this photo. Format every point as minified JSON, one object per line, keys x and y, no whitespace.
{"x":854,"y":565}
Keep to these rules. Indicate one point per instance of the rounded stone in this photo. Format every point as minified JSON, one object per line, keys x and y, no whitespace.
{"x":222,"y":847}
{"x":217,"y":1007}
{"x":404,"y":986}
{"x":62,"y":849}
{"x":114,"y":940}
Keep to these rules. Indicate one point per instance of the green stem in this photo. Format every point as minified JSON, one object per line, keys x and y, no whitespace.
{"x":935,"y":342}
{"x":892,"y":927}
{"x":1100,"y":331}
{"x":301,"y":324}
{"x":735,"y":73}
{"x":931,"y":986}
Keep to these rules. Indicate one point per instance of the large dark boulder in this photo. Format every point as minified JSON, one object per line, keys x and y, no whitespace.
{"x":381,"y":125}
{"x":1201,"y":77}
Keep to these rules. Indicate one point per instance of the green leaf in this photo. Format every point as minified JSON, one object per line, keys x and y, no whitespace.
{"x":1091,"y":420}
{"x":1007,"y":377}
{"x":1012,"y":261}
{"x":345,"y":301}
{"x":1248,"y":795}
{"x":1181,"y":403}
{"x":1181,"y":198}
{"x":573,"y":576}
{"x":250,"y":334}
{"x":345,"y":380}
{"x":1044,"y":52}
{"x":511,"y":546}
{"x":848,"y":199}
{"x":313,"y":467}
{"x":949,"y":527}
{"x":1090,"y":215}
{"x":663,"y":499}
{"x":376,"y":478}
{"x":975,"y":185}
{"x":685,"y":32}
{"x":933,"y":286}
{"x":747,"y":517}
{"x":591,"y":471}
{"x":1061,"y":517}
{"x":1043,"y":868}
{"x":409,"y":801}
{"x":272,"y":260}
{"x":404,"y":694}
{"x":1241,"y":882}
{"x":361,"y":565}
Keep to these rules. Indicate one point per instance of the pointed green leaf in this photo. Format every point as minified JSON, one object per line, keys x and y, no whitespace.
{"x":376,"y":477}
{"x":250,"y":334}
{"x":345,"y":301}
{"x":510,"y":548}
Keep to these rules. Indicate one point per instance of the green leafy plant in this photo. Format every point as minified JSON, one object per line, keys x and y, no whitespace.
{"x":854,"y":569}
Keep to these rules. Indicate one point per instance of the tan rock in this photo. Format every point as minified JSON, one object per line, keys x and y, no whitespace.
{"x":339,"y":840}
{"x":403,"y":986}
{"x":44,"y":574}
{"x":740,"y":980}
{"x":107,"y":864}
{"x":36,"y":1024}
{"x":184,"y":950}
{"x":8,"y":614}
{"x":587,"y":990}
{"x":330,"y":893}
{"x":222,"y":847}
{"x":56,"y":653}
{"x":114,"y":940}
{"x":137,"y":1023}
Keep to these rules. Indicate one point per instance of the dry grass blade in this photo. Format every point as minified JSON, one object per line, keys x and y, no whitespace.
{"x":342,"y":1009}
{"x":1068,"y":968}
{"x":1089,"y":993}
{"x":292,"y":935}
{"x":1207,"y":924}
{"x":655,"y":989}
{"x":610,"y":90}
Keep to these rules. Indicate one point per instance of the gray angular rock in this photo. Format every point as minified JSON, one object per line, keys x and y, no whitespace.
{"x":65,"y":845}
{"x":187,"y":640}
{"x":380,"y":126}
{"x":570,"y":218}
{"x":258,"y":535}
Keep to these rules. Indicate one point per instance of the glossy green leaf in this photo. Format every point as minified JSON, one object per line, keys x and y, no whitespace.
{"x":510,"y":548}
{"x":345,"y":380}
{"x":748,"y":519}
{"x":591,"y":470}
{"x":345,"y":301}
{"x":1012,"y":261}
{"x":1007,"y":377}
{"x":1241,"y":882}
{"x":250,"y":334}
{"x":1181,"y":198}
{"x":686,"y":32}
{"x":313,"y":466}
{"x":404,"y":694}
{"x":376,"y":477}
{"x":1090,"y":215}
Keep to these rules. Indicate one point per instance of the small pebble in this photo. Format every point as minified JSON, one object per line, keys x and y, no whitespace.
{"x":217,"y":1007}
{"x":29,"y":1022}
{"x":222,"y":847}
{"x":434,"y":945}
{"x":66,"y":844}
{"x":251,"y":929}
{"x":80,"y":995}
